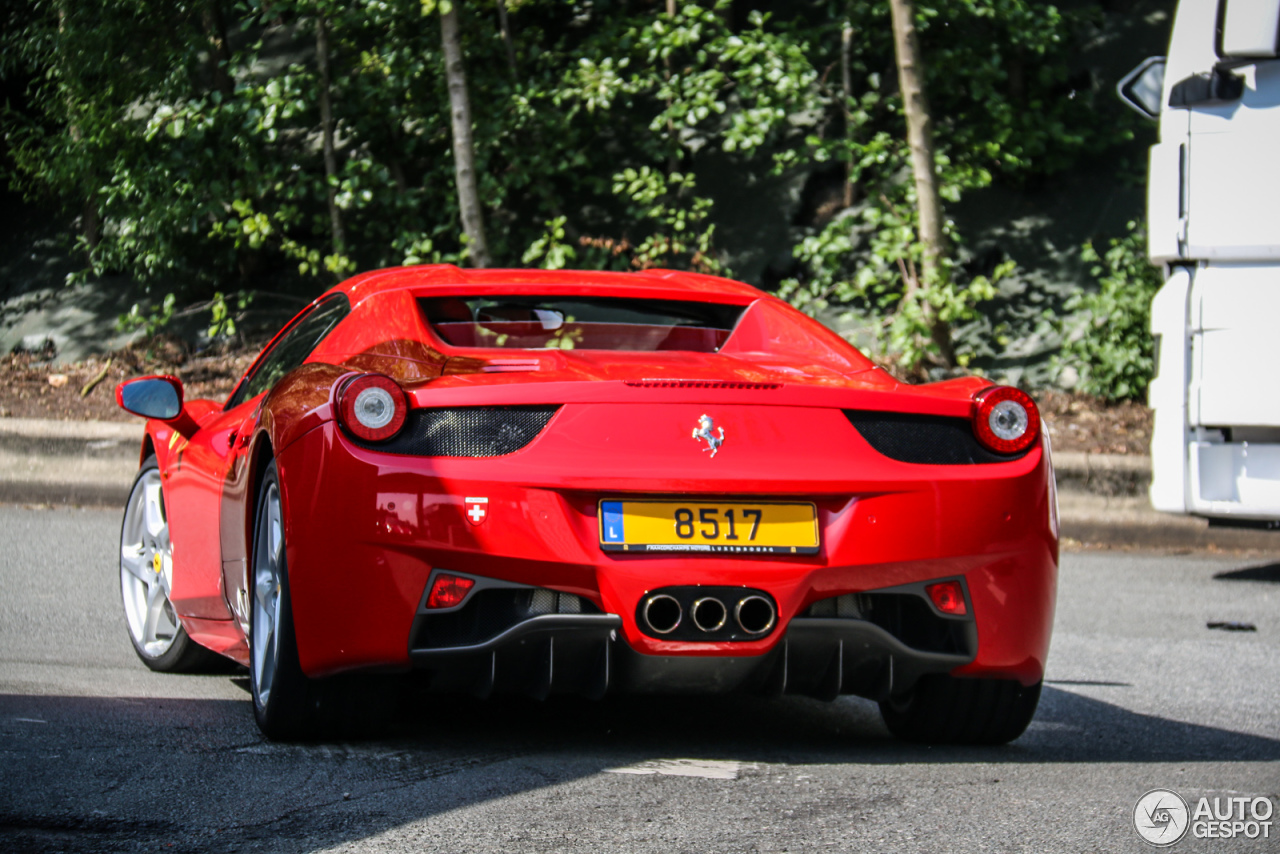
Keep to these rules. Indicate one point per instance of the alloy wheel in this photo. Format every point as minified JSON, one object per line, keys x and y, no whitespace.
{"x":268,"y":555}
{"x":146,"y":568}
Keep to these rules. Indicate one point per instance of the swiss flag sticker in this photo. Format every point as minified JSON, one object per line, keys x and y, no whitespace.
{"x":477,"y":510}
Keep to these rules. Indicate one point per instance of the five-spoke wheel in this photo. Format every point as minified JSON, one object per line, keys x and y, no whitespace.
{"x":284,"y":699}
{"x":268,"y":560}
{"x":146,"y":578}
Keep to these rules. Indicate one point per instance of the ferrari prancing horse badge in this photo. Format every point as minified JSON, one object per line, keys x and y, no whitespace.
{"x":706,"y":424}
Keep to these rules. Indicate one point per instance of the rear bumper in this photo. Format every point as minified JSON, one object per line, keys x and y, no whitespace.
{"x":365,"y":531}
{"x":583,"y":654}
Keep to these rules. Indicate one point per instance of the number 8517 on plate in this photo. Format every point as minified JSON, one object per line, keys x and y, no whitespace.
{"x":718,"y":527}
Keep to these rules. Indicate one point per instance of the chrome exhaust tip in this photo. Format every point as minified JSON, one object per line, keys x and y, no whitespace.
{"x":662,"y":613}
{"x":755,"y":615}
{"x":709,"y":614}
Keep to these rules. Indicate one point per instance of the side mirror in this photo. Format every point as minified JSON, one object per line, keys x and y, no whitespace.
{"x":1250,"y":30}
{"x":1217,"y":87}
{"x":151,"y":397}
{"x":1141,"y":89}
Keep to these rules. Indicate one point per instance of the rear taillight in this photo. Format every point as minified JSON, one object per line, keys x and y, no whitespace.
{"x":448,"y":591}
{"x":1005,"y":420}
{"x":948,"y":597}
{"x":372,"y":407}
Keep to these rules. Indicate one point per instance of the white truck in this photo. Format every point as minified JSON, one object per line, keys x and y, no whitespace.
{"x":1213,"y":223}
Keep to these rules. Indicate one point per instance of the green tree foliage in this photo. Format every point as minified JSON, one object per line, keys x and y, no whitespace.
{"x":1112,"y":350}
{"x":187,"y":134}
{"x":1004,"y":109}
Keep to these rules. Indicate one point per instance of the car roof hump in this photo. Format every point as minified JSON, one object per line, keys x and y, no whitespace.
{"x":445,"y":279}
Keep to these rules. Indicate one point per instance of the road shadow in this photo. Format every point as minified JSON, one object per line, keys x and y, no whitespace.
{"x":1267,"y":572}
{"x":80,"y":770}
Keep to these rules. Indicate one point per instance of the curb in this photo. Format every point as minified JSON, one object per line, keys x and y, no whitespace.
{"x":90,"y":463}
{"x":1102,"y":497}
{"x":1103,"y":474}
{"x":74,"y":431}
{"x":1129,"y":521}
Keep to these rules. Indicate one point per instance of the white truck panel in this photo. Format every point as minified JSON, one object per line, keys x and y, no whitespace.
{"x":1233,"y":333}
{"x":1233,"y":174}
{"x":1214,"y":213}
{"x":1190,"y":52}
{"x":1168,"y":394}
{"x":1166,"y":225}
{"x":1166,"y":186}
{"x":1250,"y":30}
{"x":1236,"y":479}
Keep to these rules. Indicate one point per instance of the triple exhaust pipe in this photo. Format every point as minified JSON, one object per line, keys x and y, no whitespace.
{"x":662,"y":614}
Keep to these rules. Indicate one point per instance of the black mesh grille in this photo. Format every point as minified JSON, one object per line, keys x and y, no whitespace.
{"x":906,"y":616}
{"x":929,"y":439}
{"x":466,"y":431}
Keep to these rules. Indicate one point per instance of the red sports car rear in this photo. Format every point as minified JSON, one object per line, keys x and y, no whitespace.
{"x":552,"y":482}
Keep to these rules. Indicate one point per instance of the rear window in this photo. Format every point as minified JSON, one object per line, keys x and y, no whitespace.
{"x":580,"y":323}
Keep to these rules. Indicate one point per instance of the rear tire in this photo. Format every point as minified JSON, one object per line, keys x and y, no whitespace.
{"x":284,"y":699}
{"x":949,"y":710}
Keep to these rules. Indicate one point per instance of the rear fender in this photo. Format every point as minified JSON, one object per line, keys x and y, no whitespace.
{"x":301,"y":402}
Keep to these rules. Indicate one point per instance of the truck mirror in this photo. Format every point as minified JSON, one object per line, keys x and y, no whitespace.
{"x":1217,"y":87}
{"x":1141,"y":89}
{"x":1250,"y":30}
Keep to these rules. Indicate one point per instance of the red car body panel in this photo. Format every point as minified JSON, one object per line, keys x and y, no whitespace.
{"x":402,"y":518}
{"x":365,"y":529}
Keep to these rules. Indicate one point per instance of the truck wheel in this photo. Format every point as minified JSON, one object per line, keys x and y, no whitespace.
{"x":949,"y":710}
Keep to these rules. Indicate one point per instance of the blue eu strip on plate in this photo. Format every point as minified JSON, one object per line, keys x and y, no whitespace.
{"x":612,"y":521}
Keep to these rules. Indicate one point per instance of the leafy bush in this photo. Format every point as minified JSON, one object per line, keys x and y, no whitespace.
{"x":871,"y":264}
{"x":1112,"y":349}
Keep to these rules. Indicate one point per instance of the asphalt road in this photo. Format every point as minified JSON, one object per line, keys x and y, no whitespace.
{"x":99,"y":754}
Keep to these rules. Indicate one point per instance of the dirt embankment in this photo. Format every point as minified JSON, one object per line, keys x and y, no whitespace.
{"x":1078,"y":422}
{"x":83,"y":391}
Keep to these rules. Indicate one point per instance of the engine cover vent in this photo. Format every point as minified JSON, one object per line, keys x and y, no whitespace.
{"x":725,"y":384}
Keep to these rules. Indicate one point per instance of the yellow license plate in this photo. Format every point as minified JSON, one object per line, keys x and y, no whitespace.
{"x":720,"y":527}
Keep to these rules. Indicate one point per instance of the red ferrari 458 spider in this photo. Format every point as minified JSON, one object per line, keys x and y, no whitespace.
{"x":581,"y":482}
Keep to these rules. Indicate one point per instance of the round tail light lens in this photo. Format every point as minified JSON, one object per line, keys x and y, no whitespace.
{"x":1005,"y":420}
{"x":372,"y":407}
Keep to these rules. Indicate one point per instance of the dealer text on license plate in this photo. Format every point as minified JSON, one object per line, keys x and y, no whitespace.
{"x":719,"y":527}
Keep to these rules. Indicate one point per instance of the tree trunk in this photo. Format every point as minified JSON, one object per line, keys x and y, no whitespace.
{"x":846,"y":85}
{"x":215,"y":31}
{"x":920,"y":138}
{"x":89,"y":220}
{"x":326,"y":122}
{"x":673,"y":158}
{"x":504,"y":26}
{"x":540,"y":183}
{"x":463,"y":145}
